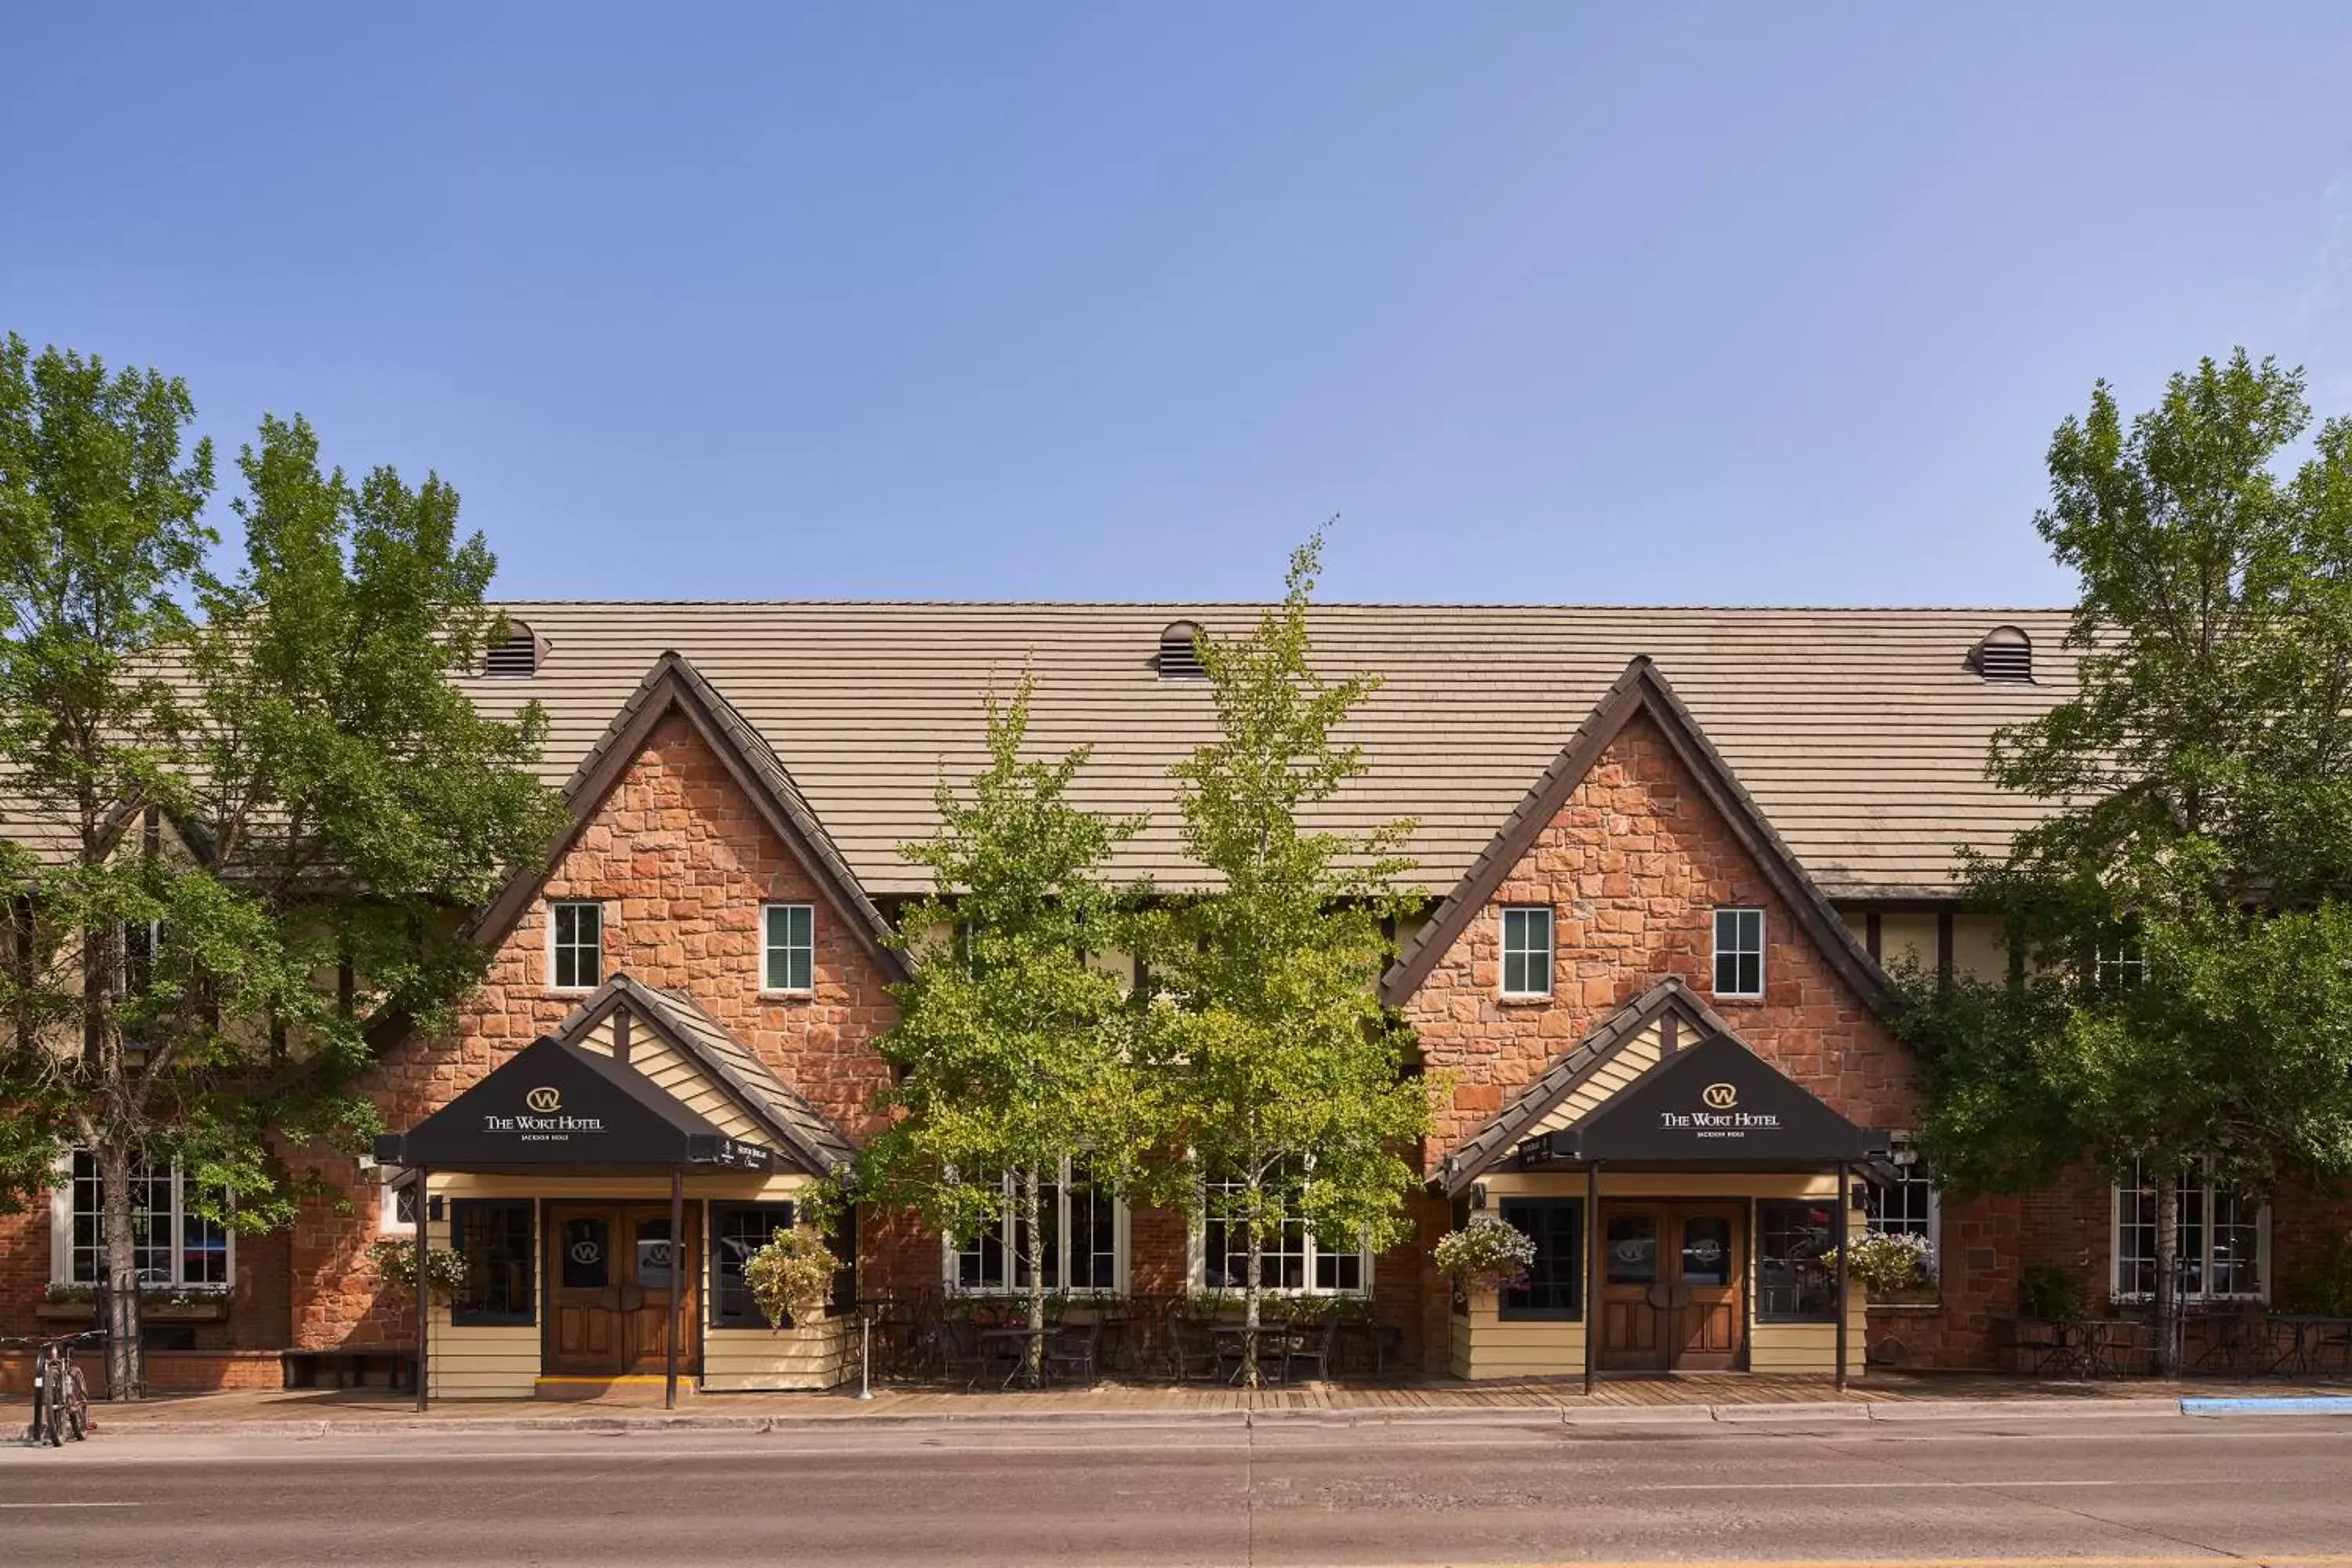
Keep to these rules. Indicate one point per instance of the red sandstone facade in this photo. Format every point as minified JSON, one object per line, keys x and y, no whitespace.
{"x":1632,"y":863}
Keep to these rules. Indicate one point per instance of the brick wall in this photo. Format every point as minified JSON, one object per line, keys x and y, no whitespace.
{"x":681,"y":861}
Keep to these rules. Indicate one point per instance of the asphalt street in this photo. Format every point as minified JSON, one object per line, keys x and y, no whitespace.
{"x":2134,"y":1490}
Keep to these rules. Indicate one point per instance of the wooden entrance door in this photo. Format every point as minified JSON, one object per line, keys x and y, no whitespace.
{"x":610,"y":1273}
{"x":1673,"y":1285}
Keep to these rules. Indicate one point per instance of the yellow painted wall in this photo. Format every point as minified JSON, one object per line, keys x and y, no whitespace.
{"x":1628,"y":1062}
{"x":819,"y":1356}
{"x":684,"y":1080}
{"x":1977,"y":949}
{"x":1485,"y":1347}
{"x":502,"y":1362}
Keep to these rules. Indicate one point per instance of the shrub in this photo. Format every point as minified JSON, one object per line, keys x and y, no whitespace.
{"x":1487,"y":1254}
{"x":2048,"y":1290}
{"x":791,"y":1276}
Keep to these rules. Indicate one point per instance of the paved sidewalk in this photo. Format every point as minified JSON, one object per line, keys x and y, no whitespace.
{"x":1727,"y":1397}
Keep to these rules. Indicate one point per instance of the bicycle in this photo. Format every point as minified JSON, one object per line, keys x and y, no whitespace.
{"x":61,"y":1397}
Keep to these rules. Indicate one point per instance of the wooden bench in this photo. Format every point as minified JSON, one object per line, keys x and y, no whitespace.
{"x":349,"y":1368}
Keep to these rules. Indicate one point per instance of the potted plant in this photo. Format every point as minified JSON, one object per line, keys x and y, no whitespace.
{"x":1486,"y":1255}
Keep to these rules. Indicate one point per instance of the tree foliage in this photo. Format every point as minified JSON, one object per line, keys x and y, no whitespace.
{"x":1285,"y":1078}
{"x":253,"y":824}
{"x":1014,"y":1055}
{"x":2181,"y":942}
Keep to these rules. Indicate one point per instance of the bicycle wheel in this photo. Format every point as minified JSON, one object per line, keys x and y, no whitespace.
{"x":54,"y":1409}
{"x":76,"y":1404}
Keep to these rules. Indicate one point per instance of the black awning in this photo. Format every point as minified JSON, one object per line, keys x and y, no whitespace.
{"x":555,"y":1103}
{"x":1717,"y":1102}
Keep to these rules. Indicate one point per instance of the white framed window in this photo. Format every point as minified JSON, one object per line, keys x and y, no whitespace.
{"x":397,"y":1203}
{"x":1908,"y":1205}
{"x":1083,"y":1247}
{"x":134,"y":958}
{"x":1291,"y":1262}
{"x":788,"y":947}
{"x":2117,"y":966}
{"x":1738,"y":952}
{"x":575,"y":937}
{"x":173,"y":1245}
{"x":2223,"y":1240}
{"x":1526,"y":951}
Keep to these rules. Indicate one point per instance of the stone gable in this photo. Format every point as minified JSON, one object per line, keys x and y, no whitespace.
{"x":1633,"y":865}
{"x":681,"y":861}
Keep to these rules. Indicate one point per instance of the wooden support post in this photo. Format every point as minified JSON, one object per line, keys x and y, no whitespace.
{"x":1843,"y":1208}
{"x":1591,"y":1272}
{"x":424,"y":1296}
{"x":676,"y":1280}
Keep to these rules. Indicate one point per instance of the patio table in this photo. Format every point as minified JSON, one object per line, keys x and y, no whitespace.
{"x":2308,"y":1337}
{"x":1009,"y":1345}
{"x":1270,"y":1340}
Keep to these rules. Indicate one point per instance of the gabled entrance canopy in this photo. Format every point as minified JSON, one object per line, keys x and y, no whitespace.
{"x":558,"y":1103}
{"x":1716,"y":1102}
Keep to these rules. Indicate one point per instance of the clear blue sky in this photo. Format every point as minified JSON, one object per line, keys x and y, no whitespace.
{"x":1558,"y":302}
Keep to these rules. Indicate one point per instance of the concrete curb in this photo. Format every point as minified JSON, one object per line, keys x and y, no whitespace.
{"x":2271,"y":1405}
{"x":1518,"y":1416}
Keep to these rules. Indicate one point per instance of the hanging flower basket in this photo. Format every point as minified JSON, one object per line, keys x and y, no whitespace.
{"x":791,"y":1276}
{"x":1889,"y":1265}
{"x":396,"y":1263}
{"x":1487,"y":1254}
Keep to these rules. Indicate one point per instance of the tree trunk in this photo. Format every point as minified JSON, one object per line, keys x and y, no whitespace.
{"x":1251,"y":1289}
{"x":1033,"y":1243}
{"x":126,"y":1371}
{"x":2167,"y":1275}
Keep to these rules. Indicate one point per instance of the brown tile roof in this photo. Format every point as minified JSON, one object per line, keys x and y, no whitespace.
{"x":1860,"y":733}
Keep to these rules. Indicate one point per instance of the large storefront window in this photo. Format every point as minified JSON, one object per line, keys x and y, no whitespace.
{"x":2221,"y":1238}
{"x":1080,"y":1244}
{"x":1290,"y":1258}
{"x":495,"y":1237}
{"x":1796,"y":1260}
{"x":173,"y":1244}
{"x":1555,"y":1286}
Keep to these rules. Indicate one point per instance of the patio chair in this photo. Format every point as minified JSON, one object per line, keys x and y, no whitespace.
{"x":958,"y":1343}
{"x":1076,"y":1351}
{"x":1187,"y":1349}
{"x":1311,"y":1347}
{"x":2236,"y":1342}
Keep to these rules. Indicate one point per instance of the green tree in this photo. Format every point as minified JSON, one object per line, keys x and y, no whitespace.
{"x":251,"y":828}
{"x":1014,"y":1055}
{"x":1285,"y":1078}
{"x":2181,"y":944}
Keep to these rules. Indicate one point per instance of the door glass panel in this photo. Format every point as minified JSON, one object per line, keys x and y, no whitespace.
{"x":652,"y":1254}
{"x":1633,"y":1250}
{"x":587,"y":1258}
{"x":1707,"y":1250}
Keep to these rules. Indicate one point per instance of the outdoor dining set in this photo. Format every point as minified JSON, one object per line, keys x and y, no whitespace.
{"x":2248,"y":1342}
{"x":987,"y":1344}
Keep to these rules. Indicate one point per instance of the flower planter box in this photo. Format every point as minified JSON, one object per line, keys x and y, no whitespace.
{"x":206,"y":1311}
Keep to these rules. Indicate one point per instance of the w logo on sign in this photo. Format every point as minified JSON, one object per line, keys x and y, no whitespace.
{"x":1720,"y":1096}
{"x":545,"y":1100}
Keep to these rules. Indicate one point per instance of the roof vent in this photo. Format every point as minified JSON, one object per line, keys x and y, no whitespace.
{"x":1180,"y":658}
{"x":2005,"y":655}
{"x":517,"y":658}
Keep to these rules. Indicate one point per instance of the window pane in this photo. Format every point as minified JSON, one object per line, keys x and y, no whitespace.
{"x":737,"y":1231}
{"x":1629,"y":1249}
{"x":654,"y":1253}
{"x":1555,"y":1284}
{"x":1526,"y":952}
{"x":494,"y":1236}
{"x":579,"y":945}
{"x":585,"y":1262}
{"x":1795,"y":1246}
{"x":1707,"y":1250}
{"x":791,"y":960}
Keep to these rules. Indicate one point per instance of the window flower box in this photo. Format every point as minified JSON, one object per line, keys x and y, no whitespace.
{"x":78,"y":1304}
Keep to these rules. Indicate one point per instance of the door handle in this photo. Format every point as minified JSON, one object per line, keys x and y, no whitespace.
{"x":1661,"y":1296}
{"x":609,"y":1297}
{"x":633,"y":1296}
